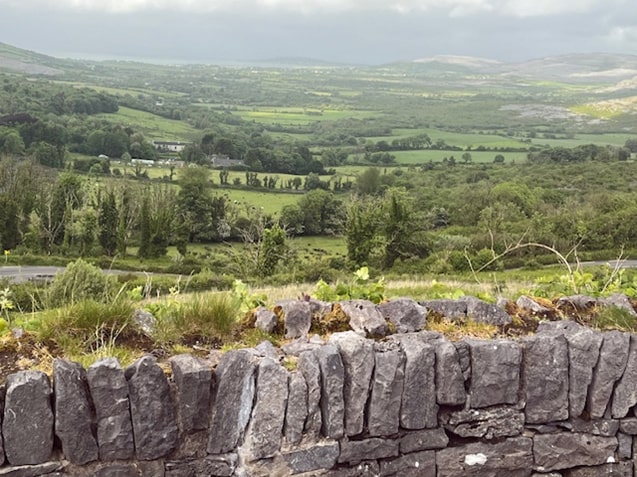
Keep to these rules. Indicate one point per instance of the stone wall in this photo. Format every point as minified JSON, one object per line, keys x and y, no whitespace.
{"x":558,"y":403}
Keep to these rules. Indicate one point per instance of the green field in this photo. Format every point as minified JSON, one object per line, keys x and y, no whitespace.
{"x":421,"y":157}
{"x":152,"y":126}
{"x":298,"y":116}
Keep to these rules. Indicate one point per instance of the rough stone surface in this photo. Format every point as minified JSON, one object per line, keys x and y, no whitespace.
{"x":265,"y":349}
{"x":308,"y":366}
{"x":545,"y":378}
{"x":299,"y":346}
{"x":620,"y":301}
{"x":363,"y":469}
{"x":464,"y":356}
{"x":625,"y":394}
{"x":578,"y":302}
{"x":533,"y":306}
{"x":495,"y":372}
{"x":145,"y":321}
{"x":332,"y":384}
{"x":296,"y":412}
{"x":597,"y":427}
{"x":297,"y":317}
{"x":357,"y":354}
{"x":511,"y":457}
{"x":152,"y":410}
{"x":73,"y":415}
{"x":624,"y":446}
{"x":37,"y":470}
{"x":613,"y":357}
{"x":109,"y":391}
{"x":583,"y":349}
{"x":628,"y":426}
{"x":420,"y":464}
{"x":263,"y":436}
{"x":406,"y":315}
{"x":567,"y":450}
{"x":450,"y":390}
{"x":453,"y":310}
{"x":483,"y":312}
{"x":387,"y":389}
{"x":235,"y":378}
{"x":193,"y":379}
{"x":322,"y":455}
{"x":423,"y":440}
{"x":364,"y":317}
{"x":222,"y":465}
{"x":353,"y":452}
{"x":266,"y":320}
{"x":418,"y":408}
{"x":489,"y":423}
{"x":619,"y":469}
{"x":28,"y":420}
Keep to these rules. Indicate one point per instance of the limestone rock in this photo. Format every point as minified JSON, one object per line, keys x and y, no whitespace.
{"x":597,"y":427}
{"x":222,"y":465}
{"x":109,"y":391}
{"x":332,"y":385}
{"x":531,"y":305}
{"x":464,"y":356}
{"x":319,"y":308}
{"x":629,"y":426}
{"x":624,"y":446}
{"x":419,"y":464}
{"x":578,"y":302}
{"x":483,"y":312}
{"x":266,"y":349}
{"x":299,"y":346}
{"x":625,"y":394}
{"x":495,"y":372}
{"x":418,"y":408}
{"x":266,"y":320}
{"x":152,"y":410}
{"x":583,"y":349}
{"x":193,"y":380}
{"x":618,"y":469}
{"x":235,"y":377}
{"x":567,"y":450}
{"x":511,"y":458}
{"x":364,"y":317}
{"x":450,"y":390}
{"x":322,"y":455}
{"x":363,"y":469}
{"x":489,"y":423}
{"x":308,"y":366}
{"x":297,"y":316}
{"x":296,"y":411}
{"x":73,"y":415}
{"x":545,"y":378}
{"x":613,"y":357}
{"x":423,"y":440}
{"x":357,"y":354}
{"x":387,"y":389}
{"x":38,"y":470}
{"x":353,"y":452}
{"x":406,"y":315}
{"x":263,"y":437}
{"x":117,"y":470}
{"x":620,"y":301}
{"x":452,"y":310}
{"x":145,"y":321}
{"x":28,"y":420}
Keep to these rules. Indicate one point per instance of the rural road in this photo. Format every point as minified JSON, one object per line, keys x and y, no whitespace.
{"x":20,"y":274}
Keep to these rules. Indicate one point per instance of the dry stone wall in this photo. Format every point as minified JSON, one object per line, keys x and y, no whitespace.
{"x":558,"y":403}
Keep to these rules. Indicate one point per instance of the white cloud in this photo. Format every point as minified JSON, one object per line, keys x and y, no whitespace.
{"x":516,"y":8}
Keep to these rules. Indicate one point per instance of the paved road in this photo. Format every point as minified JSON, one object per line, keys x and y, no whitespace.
{"x":25,"y":273}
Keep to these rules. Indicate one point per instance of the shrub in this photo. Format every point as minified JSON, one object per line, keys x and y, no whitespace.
{"x":80,"y":281}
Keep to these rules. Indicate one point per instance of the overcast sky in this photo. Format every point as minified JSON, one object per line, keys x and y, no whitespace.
{"x":350,"y":31}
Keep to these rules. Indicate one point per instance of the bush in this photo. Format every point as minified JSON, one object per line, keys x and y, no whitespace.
{"x":80,"y":281}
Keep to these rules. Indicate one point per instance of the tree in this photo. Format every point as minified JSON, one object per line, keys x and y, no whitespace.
{"x":271,"y":251}
{"x":466,"y":158}
{"x":368,"y":182}
{"x":194,"y":204}
{"x":361,"y":230}
{"x":108,"y":224}
{"x":9,"y":226}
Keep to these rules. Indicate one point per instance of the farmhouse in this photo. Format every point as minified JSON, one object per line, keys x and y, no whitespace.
{"x":224,"y":161}
{"x":169,"y":146}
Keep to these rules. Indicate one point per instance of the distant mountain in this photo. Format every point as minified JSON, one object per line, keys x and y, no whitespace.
{"x":593,"y":67}
{"x":297,"y":62}
{"x":17,"y":60}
